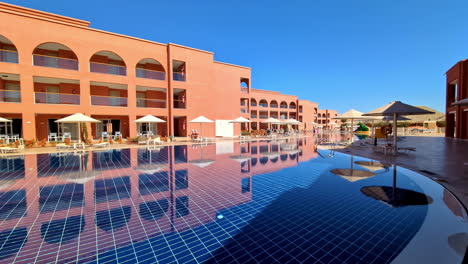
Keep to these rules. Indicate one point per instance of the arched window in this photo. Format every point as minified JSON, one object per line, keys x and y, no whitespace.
{"x":107,"y":62}
{"x":292,"y":105}
{"x":253,"y":102}
{"x":55,"y":55}
{"x":150,"y":69}
{"x":8,"y":51}
{"x":263,"y":103}
{"x":274,"y":104}
{"x":283,"y":104}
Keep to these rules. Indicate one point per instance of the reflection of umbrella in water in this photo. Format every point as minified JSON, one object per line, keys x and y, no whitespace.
{"x":352,"y":174}
{"x":271,"y":155}
{"x":396,"y":197}
{"x":80,"y":177}
{"x":6,"y":183}
{"x":202,"y":163}
{"x":240,"y":158}
{"x":150,"y":168}
{"x":372,"y":165}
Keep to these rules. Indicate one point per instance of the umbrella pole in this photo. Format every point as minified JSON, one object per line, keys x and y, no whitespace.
{"x":394,"y":181}
{"x":79,"y":132}
{"x":395,"y":134}
{"x":352,"y":130}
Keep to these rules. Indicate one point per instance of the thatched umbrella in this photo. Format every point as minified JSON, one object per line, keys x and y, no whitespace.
{"x":395,"y":109}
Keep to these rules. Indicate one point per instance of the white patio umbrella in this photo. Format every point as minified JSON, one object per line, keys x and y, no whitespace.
{"x":461,"y":102}
{"x":353,"y":115}
{"x":201,"y":120}
{"x":202,"y":162}
{"x":149,"y":119}
{"x":240,"y":158}
{"x":78,"y":118}
{"x":270,"y":121}
{"x":240,"y":120}
{"x":6,"y":121}
{"x":395,"y":109}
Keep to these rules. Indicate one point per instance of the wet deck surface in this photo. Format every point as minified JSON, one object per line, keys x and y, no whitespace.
{"x":442,"y":159}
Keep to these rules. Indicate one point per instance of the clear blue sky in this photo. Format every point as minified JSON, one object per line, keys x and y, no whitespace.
{"x":342,"y":54}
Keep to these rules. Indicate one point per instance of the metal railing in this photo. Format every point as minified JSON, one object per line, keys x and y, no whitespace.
{"x":263,"y":116}
{"x":150,"y":74}
{"x":253,"y":116}
{"x":56,"y":98}
{"x":292,"y":107}
{"x":273,"y":106}
{"x":263,"y":105}
{"x":178,"y":76}
{"x":55,"y":62}
{"x":180,"y":104}
{"x":109,"y":101}
{"x":8,"y":56}
{"x":283,"y":106}
{"x":244,"y":110}
{"x":244,"y":90}
{"x":107,"y":68}
{"x":10,"y":96}
{"x":151,"y":103}
{"x":253,"y":104}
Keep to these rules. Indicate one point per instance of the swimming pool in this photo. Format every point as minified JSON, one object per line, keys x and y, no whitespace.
{"x":264,"y":201}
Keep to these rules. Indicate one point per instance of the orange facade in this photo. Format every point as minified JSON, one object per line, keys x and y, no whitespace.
{"x":456,"y":115}
{"x":53,"y":66}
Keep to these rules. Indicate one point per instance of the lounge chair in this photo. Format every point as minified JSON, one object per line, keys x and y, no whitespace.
{"x":66,"y":135}
{"x":52,"y":137}
{"x":117,"y":135}
{"x":105,"y":135}
{"x":101,"y":145}
{"x":13,"y":149}
{"x":156,"y":141}
{"x":63,"y":146}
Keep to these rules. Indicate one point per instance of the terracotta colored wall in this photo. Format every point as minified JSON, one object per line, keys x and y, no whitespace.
{"x":459,"y":127}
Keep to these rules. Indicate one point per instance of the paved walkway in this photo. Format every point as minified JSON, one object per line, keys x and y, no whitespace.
{"x":442,"y":159}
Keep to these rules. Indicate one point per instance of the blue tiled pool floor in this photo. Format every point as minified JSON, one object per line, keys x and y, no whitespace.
{"x":265,"y":202}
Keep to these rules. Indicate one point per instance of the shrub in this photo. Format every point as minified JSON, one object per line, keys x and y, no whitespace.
{"x":362,"y":127}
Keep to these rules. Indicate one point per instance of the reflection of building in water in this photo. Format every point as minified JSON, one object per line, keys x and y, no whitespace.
{"x":50,"y":214}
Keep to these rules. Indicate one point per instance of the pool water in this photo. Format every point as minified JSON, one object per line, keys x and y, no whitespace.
{"x":260,"y":201}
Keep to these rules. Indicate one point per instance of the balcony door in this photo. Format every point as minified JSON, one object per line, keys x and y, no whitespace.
{"x":52,"y":96}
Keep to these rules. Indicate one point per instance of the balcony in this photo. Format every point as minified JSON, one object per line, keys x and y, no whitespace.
{"x":56,"y":98}
{"x":109,"y":101}
{"x":292,"y":107}
{"x":273,"y":105}
{"x":10,"y":96}
{"x":263,"y":105}
{"x":8,"y":56}
{"x":244,"y":90}
{"x":107,"y":68}
{"x":244,"y":110}
{"x":284,"y":106}
{"x":253,"y":116}
{"x":55,"y":62}
{"x":150,"y":74}
{"x":151,"y":103}
{"x":178,"y":76}
{"x":263,"y":116}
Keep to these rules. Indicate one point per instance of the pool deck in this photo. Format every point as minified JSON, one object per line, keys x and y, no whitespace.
{"x":443,"y":159}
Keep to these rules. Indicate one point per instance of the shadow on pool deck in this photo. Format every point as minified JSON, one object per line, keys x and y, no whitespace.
{"x":442,"y":159}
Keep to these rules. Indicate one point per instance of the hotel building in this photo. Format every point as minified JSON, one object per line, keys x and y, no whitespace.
{"x":456,"y":115}
{"x":53,"y":66}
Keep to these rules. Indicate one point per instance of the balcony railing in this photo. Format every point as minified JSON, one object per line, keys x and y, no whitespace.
{"x":178,"y":76}
{"x":107,"y":68}
{"x":263,"y":105}
{"x":292,"y":107}
{"x":56,"y":98}
{"x":300,"y":110}
{"x":180,"y":104}
{"x":150,"y":74}
{"x":263,"y":116}
{"x":283,"y":106}
{"x":151,"y":103}
{"x":10,"y":96}
{"x":244,"y":110}
{"x":253,"y":104}
{"x":8,"y":56}
{"x":273,"y":106}
{"x":109,"y":101}
{"x":55,"y":62}
{"x":244,"y":90}
{"x":253,"y":116}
